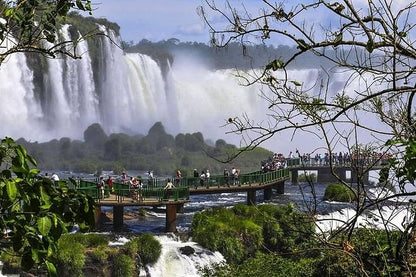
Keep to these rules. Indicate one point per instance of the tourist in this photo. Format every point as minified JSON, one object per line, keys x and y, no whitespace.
{"x":151,"y":180}
{"x":178,"y":178}
{"x":124,"y":177}
{"x":168,"y":189}
{"x":133,"y":188}
{"x":234,"y":175}
{"x":226,"y":177}
{"x":110,"y":184}
{"x":196,"y":176}
{"x":140,"y":189}
{"x":100,"y":187}
{"x":207,"y":177}
{"x":55,"y":178}
{"x":202,"y":178}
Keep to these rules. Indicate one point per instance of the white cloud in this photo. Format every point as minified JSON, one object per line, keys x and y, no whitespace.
{"x":191,"y":29}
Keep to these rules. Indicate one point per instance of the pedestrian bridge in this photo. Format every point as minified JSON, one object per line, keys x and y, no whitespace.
{"x":153,"y":193}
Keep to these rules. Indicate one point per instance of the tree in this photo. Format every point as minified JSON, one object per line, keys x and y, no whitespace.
{"x":34,"y":211}
{"x":95,"y":136}
{"x":32,"y":27}
{"x":368,"y":46}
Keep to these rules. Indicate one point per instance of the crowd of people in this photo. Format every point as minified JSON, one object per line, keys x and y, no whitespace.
{"x":277,"y":161}
{"x":344,"y":158}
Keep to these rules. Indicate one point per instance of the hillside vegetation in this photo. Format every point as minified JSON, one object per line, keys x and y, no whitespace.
{"x":158,"y":151}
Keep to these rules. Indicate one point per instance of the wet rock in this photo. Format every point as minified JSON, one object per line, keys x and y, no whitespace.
{"x":187,"y":250}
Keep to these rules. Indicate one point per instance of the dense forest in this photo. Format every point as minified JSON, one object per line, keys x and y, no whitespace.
{"x":231,"y":56}
{"x":158,"y":151}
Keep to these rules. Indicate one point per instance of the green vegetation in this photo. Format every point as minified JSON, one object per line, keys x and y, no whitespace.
{"x":303,"y":177}
{"x":123,"y":266}
{"x":159,"y":151}
{"x":90,"y":255}
{"x":239,"y":232}
{"x":340,"y":193}
{"x":35,"y":212}
{"x":231,"y":56}
{"x":277,"y":241}
{"x":71,"y":258}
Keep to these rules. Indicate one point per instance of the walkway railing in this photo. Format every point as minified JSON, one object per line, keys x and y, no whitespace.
{"x":153,"y":189}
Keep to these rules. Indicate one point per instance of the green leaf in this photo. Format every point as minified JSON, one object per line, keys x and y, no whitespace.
{"x":44,"y":225}
{"x":275,"y":65}
{"x":338,"y":40}
{"x":51,"y":269}
{"x":402,"y":34}
{"x":11,"y":190}
{"x":44,"y":196}
{"x":296,"y":83}
{"x":9,"y":12}
{"x":80,"y":5}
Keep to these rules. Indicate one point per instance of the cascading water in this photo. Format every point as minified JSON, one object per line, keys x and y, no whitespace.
{"x":175,"y":264}
{"x":18,"y":106}
{"x":124,"y":93}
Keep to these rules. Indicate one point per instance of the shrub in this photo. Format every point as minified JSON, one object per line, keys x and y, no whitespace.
{"x":123,"y":266}
{"x":11,"y":261}
{"x":70,"y":258}
{"x":241,"y":231}
{"x":339,"y":193}
{"x":270,"y":265}
{"x":100,"y":254}
{"x":149,"y":249}
{"x":130,"y":248}
{"x":88,"y":240}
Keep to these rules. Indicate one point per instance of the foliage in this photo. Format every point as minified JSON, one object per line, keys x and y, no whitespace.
{"x":95,"y":136}
{"x":33,"y":24}
{"x":11,"y":261}
{"x":70,"y":258}
{"x":87,"y":240}
{"x":101,"y":254}
{"x":266,"y":265}
{"x":34,"y":211}
{"x":241,"y":231}
{"x":303,"y":177}
{"x":157,"y":151}
{"x":146,"y":247}
{"x":123,"y":266}
{"x":149,"y":249}
{"x":340,"y":193}
{"x":366,"y":251}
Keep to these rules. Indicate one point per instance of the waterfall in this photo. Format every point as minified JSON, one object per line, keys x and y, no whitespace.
{"x":175,"y":264}
{"x":124,"y":93}
{"x":18,"y":107}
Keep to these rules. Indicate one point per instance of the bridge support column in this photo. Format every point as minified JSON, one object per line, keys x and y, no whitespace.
{"x":118,"y":213}
{"x":294,"y":176}
{"x":171,"y":210}
{"x":280,"y":187}
{"x":268,"y":192}
{"x":97,"y":216}
{"x":251,"y":197}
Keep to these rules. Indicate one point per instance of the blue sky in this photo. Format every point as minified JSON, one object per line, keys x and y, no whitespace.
{"x":157,"y":20}
{"x":154,"y":19}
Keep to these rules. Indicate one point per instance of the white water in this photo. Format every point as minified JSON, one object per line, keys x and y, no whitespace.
{"x":173,"y":263}
{"x":129,"y":95}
